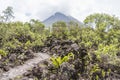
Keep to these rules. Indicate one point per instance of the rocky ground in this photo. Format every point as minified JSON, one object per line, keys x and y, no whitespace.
{"x":84,"y":65}
{"x":68,"y":61}
{"x":20,"y":70}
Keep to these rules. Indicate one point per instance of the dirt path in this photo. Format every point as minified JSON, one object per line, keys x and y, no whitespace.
{"x":19,"y":70}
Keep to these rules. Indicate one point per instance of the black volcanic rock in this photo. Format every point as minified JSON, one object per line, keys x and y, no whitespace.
{"x":59,"y":17}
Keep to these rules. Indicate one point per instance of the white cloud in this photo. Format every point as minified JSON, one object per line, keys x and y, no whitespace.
{"x":41,"y":9}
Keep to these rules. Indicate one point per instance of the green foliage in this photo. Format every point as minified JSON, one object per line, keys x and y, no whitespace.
{"x":59,"y":28}
{"x":2,"y":52}
{"x":100,"y":36}
{"x":107,"y":49}
{"x":22,"y":35}
{"x":102,"y":22}
{"x":57,"y":61}
{"x":27,"y":45}
{"x":96,"y":69}
{"x":36,"y":26}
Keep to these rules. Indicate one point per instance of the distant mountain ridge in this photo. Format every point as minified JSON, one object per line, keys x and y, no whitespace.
{"x":58,"y":16}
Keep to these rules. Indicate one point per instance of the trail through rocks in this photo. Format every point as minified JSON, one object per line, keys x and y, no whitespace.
{"x":19,"y":70}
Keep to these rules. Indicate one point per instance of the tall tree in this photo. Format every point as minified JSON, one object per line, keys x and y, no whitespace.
{"x":102,"y":22}
{"x":8,"y":14}
{"x":58,"y":26}
{"x":36,"y":26}
{"x":1,"y":18}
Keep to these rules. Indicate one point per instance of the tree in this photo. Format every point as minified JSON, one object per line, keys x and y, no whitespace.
{"x":73,"y":25}
{"x":59,"y":24}
{"x":36,"y":26}
{"x":102,"y":22}
{"x":1,"y":18}
{"x":8,"y":14}
{"x":60,"y":28}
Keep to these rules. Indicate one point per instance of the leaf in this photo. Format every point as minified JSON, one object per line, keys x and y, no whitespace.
{"x":65,"y":59}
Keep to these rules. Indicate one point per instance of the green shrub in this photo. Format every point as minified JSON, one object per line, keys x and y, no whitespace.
{"x":57,"y":61}
{"x":2,"y":52}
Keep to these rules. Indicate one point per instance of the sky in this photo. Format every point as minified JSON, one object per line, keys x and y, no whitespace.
{"x":24,"y":10}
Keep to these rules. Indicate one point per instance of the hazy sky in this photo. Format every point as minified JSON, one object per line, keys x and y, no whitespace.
{"x":42,"y":9}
